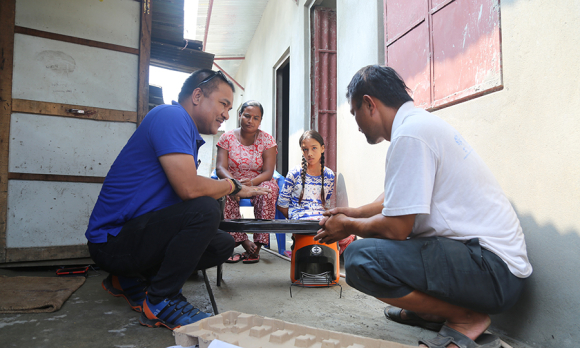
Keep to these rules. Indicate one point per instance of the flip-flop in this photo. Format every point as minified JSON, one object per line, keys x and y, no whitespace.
{"x":447,"y":335}
{"x":237,"y":257}
{"x":252,"y":259}
{"x":394,"y":314}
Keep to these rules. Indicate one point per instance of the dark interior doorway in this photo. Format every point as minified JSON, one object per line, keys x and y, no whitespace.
{"x":282,"y":115}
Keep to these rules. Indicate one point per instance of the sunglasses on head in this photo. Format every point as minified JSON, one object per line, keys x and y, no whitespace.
{"x":210,"y":77}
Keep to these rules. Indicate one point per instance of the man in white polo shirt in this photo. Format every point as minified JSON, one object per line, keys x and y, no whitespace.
{"x":442,"y":242}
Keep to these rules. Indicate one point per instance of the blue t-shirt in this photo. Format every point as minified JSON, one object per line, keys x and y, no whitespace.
{"x":136,"y":183}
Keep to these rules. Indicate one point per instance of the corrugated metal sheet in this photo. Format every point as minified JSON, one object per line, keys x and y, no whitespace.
{"x":168,"y":48}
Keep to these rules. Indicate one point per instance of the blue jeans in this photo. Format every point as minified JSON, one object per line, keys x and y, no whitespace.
{"x":167,"y":246}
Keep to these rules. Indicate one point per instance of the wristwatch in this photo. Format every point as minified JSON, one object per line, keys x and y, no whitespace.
{"x":237,"y":186}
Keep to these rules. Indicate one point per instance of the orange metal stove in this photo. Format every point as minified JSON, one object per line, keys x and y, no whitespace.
{"x":314,"y":263}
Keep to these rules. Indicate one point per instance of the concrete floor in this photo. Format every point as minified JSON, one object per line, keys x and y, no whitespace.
{"x":93,"y":318}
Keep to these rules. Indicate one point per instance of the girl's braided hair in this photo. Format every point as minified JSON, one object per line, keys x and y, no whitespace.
{"x":312,"y":134}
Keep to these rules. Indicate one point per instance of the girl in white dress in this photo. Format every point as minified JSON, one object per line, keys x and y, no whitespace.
{"x":308,"y":188}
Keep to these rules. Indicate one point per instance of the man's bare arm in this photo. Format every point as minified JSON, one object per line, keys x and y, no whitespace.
{"x":365,"y":211}
{"x":182,"y":174}
{"x":222,"y":164}
{"x":340,"y":226}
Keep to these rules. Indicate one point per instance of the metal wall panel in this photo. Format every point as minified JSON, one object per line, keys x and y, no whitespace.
{"x":445,"y":50}
{"x":65,"y":146}
{"x":401,"y":15}
{"x":61,"y":72}
{"x":42,"y":214}
{"x":409,"y":56}
{"x":115,"y":22}
{"x":466,"y":49}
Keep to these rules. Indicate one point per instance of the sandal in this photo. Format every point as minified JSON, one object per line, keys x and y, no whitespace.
{"x":235,"y":258}
{"x":394,"y":314}
{"x":447,"y":336}
{"x":252,"y":259}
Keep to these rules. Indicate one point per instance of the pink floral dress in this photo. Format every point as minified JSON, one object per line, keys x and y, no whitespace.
{"x":245,"y":162}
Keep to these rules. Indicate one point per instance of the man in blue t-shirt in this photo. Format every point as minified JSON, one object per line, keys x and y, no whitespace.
{"x":156,"y":221}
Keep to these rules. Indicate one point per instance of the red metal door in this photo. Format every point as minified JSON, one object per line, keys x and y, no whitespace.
{"x":323,"y":116}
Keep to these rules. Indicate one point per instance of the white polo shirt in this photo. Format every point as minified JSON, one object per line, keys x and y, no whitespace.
{"x":433,"y":172}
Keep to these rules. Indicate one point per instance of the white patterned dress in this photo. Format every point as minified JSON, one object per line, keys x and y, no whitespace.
{"x":311,"y":207}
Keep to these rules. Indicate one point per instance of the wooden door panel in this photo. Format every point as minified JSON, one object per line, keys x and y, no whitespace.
{"x":62,"y":72}
{"x":42,"y":213}
{"x":115,"y":22}
{"x":65,"y":146}
{"x":61,"y":55}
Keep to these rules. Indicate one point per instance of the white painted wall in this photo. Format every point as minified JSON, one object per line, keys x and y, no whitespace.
{"x":360,"y":166}
{"x":528,"y":134}
{"x":207,"y":154}
{"x":283,"y":28}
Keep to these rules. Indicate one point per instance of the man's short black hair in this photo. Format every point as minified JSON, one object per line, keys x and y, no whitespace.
{"x":381,"y":82}
{"x":197,"y":77}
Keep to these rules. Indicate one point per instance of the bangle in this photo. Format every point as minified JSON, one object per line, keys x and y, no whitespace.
{"x":251,"y":182}
{"x":231,"y":186}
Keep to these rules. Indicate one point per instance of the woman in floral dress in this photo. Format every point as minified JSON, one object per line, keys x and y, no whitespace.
{"x":248,"y":154}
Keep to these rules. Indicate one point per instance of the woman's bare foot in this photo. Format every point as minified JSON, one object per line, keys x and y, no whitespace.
{"x":258,"y":248}
{"x":250,"y":247}
{"x":472,"y":325}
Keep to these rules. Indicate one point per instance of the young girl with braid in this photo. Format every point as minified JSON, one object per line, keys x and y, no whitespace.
{"x":308,"y":188}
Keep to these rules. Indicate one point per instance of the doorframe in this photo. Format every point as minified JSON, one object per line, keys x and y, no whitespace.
{"x":281,"y":139}
{"x":7,"y":19}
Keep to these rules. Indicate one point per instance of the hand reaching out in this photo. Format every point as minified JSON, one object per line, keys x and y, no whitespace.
{"x":251,"y":191}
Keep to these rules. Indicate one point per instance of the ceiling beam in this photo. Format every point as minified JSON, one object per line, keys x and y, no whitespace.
{"x":229,"y":58}
{"x":229,"y":77}
{"x":176,"y":58}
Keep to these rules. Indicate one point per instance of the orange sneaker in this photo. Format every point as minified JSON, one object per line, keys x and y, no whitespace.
{"x":171,"y":313}
{"x":131,"y":289}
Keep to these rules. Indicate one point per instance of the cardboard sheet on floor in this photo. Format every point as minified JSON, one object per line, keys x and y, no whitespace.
{"x":36,"y":294}
{"x":250,"y":331}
